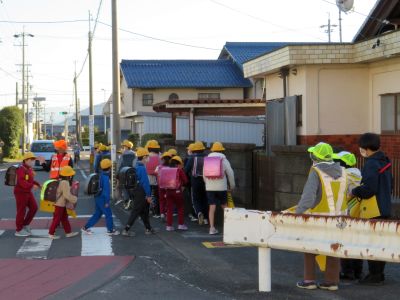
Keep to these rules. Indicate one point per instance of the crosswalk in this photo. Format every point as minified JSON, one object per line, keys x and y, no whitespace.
{"x":40,"y":246}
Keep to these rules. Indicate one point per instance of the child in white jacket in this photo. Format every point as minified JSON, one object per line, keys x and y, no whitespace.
{"x":217,"y":184}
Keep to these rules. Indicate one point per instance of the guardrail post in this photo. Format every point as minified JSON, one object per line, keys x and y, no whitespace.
{"x":264,"y":269}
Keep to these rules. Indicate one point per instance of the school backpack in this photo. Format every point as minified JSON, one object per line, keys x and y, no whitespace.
{"x":169,"y":179}
{"x":92,"y":184}
{"x":198,"y":163}
{"x":152,"y":164}
{"x":49,"y":190}
{"x":127,"y":178}
{"x":10,"y":177}
{"x":213,"y":168}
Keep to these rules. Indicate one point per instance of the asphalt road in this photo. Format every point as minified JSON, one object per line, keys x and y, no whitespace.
{"x":167,"y":265}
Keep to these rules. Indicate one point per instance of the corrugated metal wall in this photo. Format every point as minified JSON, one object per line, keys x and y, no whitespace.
{"x":209,"y":130}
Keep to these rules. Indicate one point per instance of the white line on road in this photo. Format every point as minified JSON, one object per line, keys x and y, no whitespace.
{"x":99,"y":243}
{"x":2,"y":231}
{"x":35,"y":247}
{"x":83,"y":173}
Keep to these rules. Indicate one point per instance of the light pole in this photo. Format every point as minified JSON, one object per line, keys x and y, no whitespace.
{"x":24,"y":101}
{"x":37,"y":104}
{"x":105,"y":117}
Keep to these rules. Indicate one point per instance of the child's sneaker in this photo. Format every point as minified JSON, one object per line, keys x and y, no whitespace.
{"x":162,"y":217}
{"x":156,"y":216}
{"x":182,"y":227}
{"x":150,"y":231}
{"x":127,"y":233}
{"x":170,"y":228}
{"x":28,"y":229}
{"x":308,"y":285}
{"x":71,"y":234}
{"x":174,"y":214}
{"x":53,"y":237}
{"x":213,"y":231}
{"x":193,"y":218}
{"x":22,"y":233}
{"x":328,"y":286}
{"x":114,"y":232}
{"x":86,"y":230}
{"x":200,"y":217}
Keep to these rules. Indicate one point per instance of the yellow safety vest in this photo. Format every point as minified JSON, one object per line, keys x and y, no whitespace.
{"x":334,"y":195}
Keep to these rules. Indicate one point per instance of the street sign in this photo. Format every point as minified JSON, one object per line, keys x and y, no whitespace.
{"x":30,"y":117}
{"x":39,"y":99}
{"x":22,"y":102}
{"x":91,"y":130}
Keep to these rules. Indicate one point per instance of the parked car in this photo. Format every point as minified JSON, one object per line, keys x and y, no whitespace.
{"x":44,"y":148}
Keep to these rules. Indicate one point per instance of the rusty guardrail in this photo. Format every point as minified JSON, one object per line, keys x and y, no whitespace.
{"x":343,"y":237}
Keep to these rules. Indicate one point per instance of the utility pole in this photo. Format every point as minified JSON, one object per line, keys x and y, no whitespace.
{"x":77,"y":123}
{"x":329,"y":29}
{"x":24,"y":100}
{"x":340,"y":25}
{"x":116,"y":129}
{"x":16,"y":94}
{"x":28,"y":113}
{"x":91,"y":116}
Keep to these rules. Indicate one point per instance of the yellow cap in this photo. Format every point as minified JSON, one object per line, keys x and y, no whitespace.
{"x":217,"y":146}
{"x":347,"y":157}
{"x":178,"y":159}
{"x":103,"y":147}
{"x":127,"y":144}
{"x":322,"y":151}
{"x":173,"y":151}
{"x":29,"y":155}
{"x":190,"y":147}
{"x":166,"y":154}
{"x":105,"y":164}
{"x":153,"y":144}
{"x":140,"y":152}
{"x":67,"y":171}
{"x":198,"y":146}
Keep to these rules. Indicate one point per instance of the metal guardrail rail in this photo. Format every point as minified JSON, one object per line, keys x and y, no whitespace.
{"x":343,"y":237}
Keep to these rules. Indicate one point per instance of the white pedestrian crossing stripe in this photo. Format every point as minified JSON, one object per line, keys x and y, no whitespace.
{"x":1,"y":232}
{"x":98,"y":243}
{"x":35,"y":247}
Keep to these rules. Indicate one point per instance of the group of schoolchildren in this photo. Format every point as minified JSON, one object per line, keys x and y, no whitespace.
{"x":335,"y":187}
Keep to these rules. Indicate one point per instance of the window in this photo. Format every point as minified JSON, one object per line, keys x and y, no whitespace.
{"x":147,"y":99}
{"x":173,"y":96}
{"x":209,"y":96}
{"x":390,"y":113}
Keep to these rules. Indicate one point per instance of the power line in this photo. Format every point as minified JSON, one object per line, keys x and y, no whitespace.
{"x":8,"y":73}
{"x":260,"y":19}
{"x":160,"y":39}
{"x":41,"y":22}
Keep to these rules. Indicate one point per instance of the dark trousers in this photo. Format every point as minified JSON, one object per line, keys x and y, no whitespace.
{"x":156,"y":203}
{"x":199,"y":196}
{"x":140,"y":209}
{"x":351,"y":266}
{"x":377,"y":267}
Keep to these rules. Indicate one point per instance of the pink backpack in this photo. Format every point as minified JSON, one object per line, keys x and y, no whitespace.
{"x":213,"y":168}
{"x":169,"y":179}
{"x":152,"y":164}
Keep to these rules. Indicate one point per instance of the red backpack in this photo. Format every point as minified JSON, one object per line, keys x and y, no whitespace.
{"x":169,"y":179}
{"x":152,"y":164}
{"x":213,"y":167}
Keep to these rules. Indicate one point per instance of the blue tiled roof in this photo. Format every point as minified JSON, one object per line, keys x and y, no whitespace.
{"x":241,"y":52}
{"x":183,"y":74}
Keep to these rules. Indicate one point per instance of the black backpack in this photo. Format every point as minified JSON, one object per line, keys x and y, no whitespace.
{"x":92,"y":184}
{"x":198,"y":164}
{"x":128,"y":178}
{"x":10,"y":177}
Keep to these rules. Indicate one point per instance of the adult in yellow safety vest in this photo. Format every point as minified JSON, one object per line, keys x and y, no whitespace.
{"x":325,"y":193}
{"x":58,"y":160}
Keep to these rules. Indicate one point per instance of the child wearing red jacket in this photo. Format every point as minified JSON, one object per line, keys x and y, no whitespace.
{"x":175,"y":196}
{"x":24,"y":196}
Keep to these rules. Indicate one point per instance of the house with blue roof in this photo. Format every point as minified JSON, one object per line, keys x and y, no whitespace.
{"x":148,"y":82}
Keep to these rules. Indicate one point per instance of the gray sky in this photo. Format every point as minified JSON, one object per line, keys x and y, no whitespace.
{"x":203,"y":23}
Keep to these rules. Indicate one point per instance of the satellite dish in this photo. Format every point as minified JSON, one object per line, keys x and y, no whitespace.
{"x":344,"y":5}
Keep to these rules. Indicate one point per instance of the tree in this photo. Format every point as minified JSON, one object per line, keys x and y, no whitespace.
{"x":11,"y":126}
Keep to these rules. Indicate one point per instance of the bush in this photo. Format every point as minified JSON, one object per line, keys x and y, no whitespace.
{"x":11,"y":126}
{"x":156,"y":136}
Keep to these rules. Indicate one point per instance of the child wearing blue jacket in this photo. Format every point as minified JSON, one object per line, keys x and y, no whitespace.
{"x":142,"y":195}
{"x":103,"y":201}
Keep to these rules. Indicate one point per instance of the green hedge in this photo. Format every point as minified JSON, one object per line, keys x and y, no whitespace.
{"x":11,"y":126}
{"x":155,"y":136}
{"x":134,"y":138}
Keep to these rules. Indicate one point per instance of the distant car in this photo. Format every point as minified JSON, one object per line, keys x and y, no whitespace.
{"x":86,"y":148}
{"x":43,"y":148}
